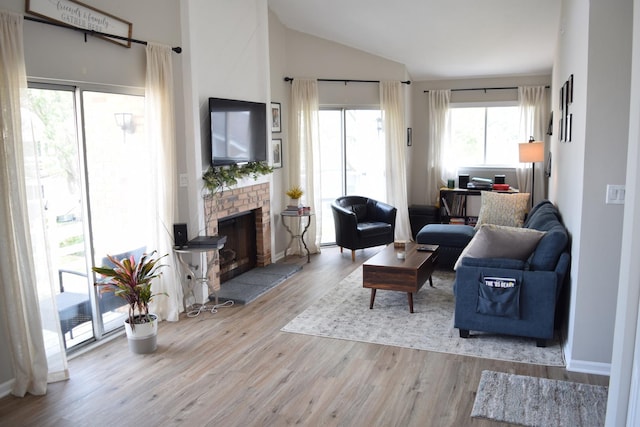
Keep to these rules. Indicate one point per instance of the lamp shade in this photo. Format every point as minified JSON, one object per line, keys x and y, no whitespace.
{"x":531,"y":152}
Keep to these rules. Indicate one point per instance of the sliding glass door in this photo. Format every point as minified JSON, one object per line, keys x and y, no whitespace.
{"x":91,"y":171}
{"x":352,"y":157}
{"x":118,"y":167}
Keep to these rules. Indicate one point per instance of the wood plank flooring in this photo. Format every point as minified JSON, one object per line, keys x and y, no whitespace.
{"x":236,"y":368}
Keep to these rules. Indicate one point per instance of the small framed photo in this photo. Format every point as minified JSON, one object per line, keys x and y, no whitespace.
{"x":276,"y":117}
{"x":409,"y":137}
{"x":570,"y":89}
{"x":276,"y":149}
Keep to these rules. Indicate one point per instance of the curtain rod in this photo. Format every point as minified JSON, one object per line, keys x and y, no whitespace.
{"x":486,"y":88}
{"x":86,"y":32}
{"x":290,"y":79}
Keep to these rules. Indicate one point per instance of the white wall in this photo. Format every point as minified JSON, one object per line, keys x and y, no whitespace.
{"x":594,"y":45}
{"x":623,"y":404}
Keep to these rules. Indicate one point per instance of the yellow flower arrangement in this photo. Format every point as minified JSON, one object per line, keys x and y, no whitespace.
{"x":295,"y":192}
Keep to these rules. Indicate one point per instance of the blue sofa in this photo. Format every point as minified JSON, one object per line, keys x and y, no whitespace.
{"x":527,"y":309}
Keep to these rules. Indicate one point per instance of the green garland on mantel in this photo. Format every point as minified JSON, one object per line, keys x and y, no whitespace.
{"x":217,"y":178}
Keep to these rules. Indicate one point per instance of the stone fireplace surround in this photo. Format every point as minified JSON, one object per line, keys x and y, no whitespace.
{"x":233,"y":202}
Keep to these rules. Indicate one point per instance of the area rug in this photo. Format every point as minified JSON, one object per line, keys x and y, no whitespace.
{"x":343,"y":312}
{"x":254,"y":283}
{"x":531,"y":401}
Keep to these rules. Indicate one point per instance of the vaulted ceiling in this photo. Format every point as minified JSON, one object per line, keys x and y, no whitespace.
{"x":437,"y":39}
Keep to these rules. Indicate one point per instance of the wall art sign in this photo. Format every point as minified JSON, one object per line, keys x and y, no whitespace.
{"x":76,"y":14}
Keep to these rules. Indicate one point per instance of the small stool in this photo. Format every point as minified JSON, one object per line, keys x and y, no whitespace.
{"x":451,"y":238}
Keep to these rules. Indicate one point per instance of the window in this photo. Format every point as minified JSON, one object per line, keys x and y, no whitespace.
{"x":90,"y":144}
{"x":484,"y":136}
{"x":352,"y":158}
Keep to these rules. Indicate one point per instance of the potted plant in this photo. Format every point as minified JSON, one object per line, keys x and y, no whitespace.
{"x":131,"y":281}
{"x":294,"y":194}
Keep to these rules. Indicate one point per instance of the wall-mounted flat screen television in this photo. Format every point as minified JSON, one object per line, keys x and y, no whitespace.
{"x":238,"y":131}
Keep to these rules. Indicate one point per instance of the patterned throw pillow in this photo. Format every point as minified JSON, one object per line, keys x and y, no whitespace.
{"x":503,"y":209}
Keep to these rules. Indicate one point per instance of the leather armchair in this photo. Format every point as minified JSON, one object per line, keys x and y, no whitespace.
{"x":362,"y":222}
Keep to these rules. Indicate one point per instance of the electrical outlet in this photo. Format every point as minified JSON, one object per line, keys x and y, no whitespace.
{"x":184,"y":180}
{"x":615,"y":194}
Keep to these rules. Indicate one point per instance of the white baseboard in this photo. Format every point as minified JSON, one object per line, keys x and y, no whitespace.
{"x":5,"y":388}
{"x":277,"y":257}
{"x":586,"y":367}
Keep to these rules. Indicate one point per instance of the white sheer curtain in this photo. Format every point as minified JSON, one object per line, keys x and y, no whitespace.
{"x":304,"y":167}
{"x":392,"y":106}
{"x":438,"y":162}
{"x":27,"y":305}
{"x":534,"y":114}
{"x":161,"y":134}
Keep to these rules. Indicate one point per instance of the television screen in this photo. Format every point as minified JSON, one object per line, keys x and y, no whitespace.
{"x":238,"y":131}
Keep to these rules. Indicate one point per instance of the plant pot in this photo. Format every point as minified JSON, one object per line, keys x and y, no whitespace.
{"x":142,"y":337}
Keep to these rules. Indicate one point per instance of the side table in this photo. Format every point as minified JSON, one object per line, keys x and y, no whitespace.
{"x":193,"y":278}
{"x":299,"y":236}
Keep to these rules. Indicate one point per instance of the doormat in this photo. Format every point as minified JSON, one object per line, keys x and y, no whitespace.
{"x":531,"y":401}
{"x":258,"y":281}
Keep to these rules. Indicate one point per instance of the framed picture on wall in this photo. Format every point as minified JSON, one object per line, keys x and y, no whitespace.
{"x":276,"y":148}
{"x":276,"y":117}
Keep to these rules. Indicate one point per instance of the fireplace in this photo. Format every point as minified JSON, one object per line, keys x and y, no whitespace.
{"x":240,"y":249}
{"x":252,"y":201}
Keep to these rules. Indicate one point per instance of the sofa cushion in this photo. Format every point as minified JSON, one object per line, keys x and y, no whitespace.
{"x":369,"y":229}
{"x":550,"y":248}
{"x":449,"y":235}
{"x":496,"y":241}
{"x":533,"y":211}
{"x":545,"y":217}
{"x":503,"y":209}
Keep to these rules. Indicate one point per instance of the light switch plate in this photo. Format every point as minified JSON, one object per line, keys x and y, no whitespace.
{"x":615,"y":194}
{"x":184,"y":180}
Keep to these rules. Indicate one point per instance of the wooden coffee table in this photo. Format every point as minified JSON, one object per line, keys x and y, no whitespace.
{"x":386,"y":271}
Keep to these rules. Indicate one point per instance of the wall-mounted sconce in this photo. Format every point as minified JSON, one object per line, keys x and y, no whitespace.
{"x":126,"y":123}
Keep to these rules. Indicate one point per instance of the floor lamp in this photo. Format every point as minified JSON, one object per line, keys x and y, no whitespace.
{"x":532,"y":152}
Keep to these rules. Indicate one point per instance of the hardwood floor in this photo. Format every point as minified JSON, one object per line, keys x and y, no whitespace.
{"x":236,"y":368}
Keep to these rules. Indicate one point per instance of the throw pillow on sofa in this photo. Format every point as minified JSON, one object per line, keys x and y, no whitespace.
{"x":502,"y":209}
{"x":497,"y":241}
